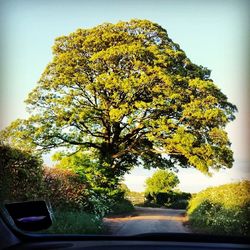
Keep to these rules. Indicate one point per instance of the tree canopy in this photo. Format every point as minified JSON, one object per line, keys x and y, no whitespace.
{"x":129,"y":95}
{"x":161,"y":181}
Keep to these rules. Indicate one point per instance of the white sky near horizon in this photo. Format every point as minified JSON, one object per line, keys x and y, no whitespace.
{"x":213,"y":33}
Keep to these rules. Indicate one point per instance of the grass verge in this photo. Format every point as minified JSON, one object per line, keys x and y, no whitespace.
{"x":74,"y":222}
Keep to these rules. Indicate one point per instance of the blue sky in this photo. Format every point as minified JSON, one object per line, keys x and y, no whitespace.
{"x":212,"y":33}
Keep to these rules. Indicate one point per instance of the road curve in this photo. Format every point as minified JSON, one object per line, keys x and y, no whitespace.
{"x":148,"y":220}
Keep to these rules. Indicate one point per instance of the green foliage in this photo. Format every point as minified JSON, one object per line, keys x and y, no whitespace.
{"x":74,"y":222}
{"x":129,"y":95}
{"x":92,"y":173}
{"x":121,"y":207}
{"x":124,"y":188}
{"x":16,"y":136}
{"x":173,"y":199}
{"x":137,"y":198}
{"x":159,"y":191}
{"x":161,"y":181}
{"x":170,"y":199}
{"x":24,"y":178}
{"x":20,"y":174}
{"x":179,"y":204}
{"x":101,"y":203}
{"x":222,"y":210}
{"x":227,"y":195}
{"x":101,"y":199}
{"x":68,"y":190}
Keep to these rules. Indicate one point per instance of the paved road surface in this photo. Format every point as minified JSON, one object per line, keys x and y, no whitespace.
{"x":148,"y":220}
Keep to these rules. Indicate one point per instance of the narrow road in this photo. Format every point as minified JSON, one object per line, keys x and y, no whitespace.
{"x":148,"y":220}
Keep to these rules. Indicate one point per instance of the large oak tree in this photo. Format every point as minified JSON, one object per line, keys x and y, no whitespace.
{"x":127,"y":94}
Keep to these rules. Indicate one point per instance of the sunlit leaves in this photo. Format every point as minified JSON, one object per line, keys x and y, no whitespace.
{"x":222,"y":210}
{"x":129,"y":93}
{"x":161,"y":181}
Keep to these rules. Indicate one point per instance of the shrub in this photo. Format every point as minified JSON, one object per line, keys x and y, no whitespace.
{"x":20,"y":174}
{"x":100,"y":203}
{"x":179,"y":204}
{"x":122,"y":206}
{"x":228,"y":195}
{"x":224,"y":209}
{"x":171,"y":199}
{"x":64,"y":189}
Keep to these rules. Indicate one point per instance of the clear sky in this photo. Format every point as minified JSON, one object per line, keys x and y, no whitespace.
{"x":213,"y":33}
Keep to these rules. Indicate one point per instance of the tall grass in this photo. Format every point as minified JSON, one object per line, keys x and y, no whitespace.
{"x":80,"y":222}
{"x":73,"y":222}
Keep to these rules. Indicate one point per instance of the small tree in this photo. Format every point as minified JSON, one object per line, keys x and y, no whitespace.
{"x":91,"y":174}
{"x":161,"y":181}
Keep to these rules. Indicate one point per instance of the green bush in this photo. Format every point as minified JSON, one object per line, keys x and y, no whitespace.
{"x":122,"y":206}
{"x":222,"y":210}
{"x":228,"y":195}
{"x":171,"y":199}
{"x":21,"y":174}
{"x":64,"y":189}
{"x":68,"y":190}
{"x":179,"y":204}
{"x":79,"y":208}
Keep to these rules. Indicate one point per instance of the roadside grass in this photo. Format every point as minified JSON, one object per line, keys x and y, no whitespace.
{"x":221,"y":210}
{"x":74,"y":222}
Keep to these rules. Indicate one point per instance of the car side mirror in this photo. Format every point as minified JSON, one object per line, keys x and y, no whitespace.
{"x":29,"y":215}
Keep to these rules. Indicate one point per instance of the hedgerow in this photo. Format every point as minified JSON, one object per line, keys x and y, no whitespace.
{"x":64,"y":189}
{"x":170,"y":199}
{"x":222,"y":210}
{"x":23,"y":177}
{"x":21,"y":174}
